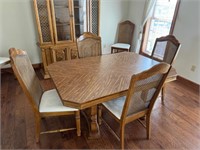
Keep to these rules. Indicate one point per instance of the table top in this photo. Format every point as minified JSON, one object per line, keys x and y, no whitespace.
{"x":4,"y":61}
{"x":86,"y":82}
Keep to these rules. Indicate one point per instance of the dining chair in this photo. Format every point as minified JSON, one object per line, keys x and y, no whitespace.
{"x":44,"y":103}
{"x":143,"y":91}
{"x":166,"y":49}
{"x":89,"y":45}
{"x":125,"y":37}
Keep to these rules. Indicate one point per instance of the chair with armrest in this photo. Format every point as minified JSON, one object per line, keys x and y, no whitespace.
{"x":143,"y":91}
{"x":44,"y":103}
{"x":89,"y":45}
{"x":165,"y":50}
{"x":125,"y":37}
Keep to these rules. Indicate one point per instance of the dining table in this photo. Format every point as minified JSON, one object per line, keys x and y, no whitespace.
{"x":87,"y":82}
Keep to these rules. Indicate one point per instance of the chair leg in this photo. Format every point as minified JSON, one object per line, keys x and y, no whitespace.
{"x":122,"y":135}
{"x":162,"y":94}
{"x":78,"y":123}
{"x":148,"y":126}
{"x":112,"y":50}
{"x":99,"y":114}
{"x":37,"y":124}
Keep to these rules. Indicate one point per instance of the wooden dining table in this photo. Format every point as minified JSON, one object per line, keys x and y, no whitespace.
{"x":85,"y":83}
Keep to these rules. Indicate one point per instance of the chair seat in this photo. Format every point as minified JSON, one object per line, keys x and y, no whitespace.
{"x":51,"y":102}
{"x":121,"y":46}
{"x":4,"y":61}
{"x":115,"y":106}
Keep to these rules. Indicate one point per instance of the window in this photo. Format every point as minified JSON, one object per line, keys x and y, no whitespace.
{"x":160,"y":24}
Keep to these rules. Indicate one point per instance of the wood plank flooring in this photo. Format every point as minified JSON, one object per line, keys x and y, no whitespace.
{"x":175,"y":124}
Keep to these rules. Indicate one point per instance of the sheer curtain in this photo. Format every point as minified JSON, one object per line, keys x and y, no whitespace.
{"x":148,"y":13}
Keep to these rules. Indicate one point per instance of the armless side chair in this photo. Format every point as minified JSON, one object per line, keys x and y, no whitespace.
{"x":89,"y":45}
{"x":166,"y":49}
{"x":44,"y":103}
{"x":125,"y":37}
{"x":143,"y":91}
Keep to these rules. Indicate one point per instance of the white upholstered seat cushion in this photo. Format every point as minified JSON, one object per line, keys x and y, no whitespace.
{"x":121,"y":45}
{"x":115,"y":106}
{"x":51,"y":102}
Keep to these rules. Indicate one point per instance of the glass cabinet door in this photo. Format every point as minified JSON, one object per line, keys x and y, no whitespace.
{"x":94,"y":16}
{"x":80,"y":19}
{"x":43,"y":20}
{"x":63,"y":19}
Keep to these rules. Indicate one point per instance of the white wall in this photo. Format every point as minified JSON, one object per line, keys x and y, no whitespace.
{"x":112,"y":12}
{"x":187,"y":31}
{"x":17,"y":28}
{"x":135,"y":15}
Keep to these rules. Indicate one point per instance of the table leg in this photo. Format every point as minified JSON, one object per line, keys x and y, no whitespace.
{"x":94,"y":127}
{"x":91,"y":117}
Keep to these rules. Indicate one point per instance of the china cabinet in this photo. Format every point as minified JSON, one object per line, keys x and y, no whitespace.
{"x":59,"y":23}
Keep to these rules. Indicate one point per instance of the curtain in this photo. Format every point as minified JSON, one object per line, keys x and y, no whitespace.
{"x":148,"y":13}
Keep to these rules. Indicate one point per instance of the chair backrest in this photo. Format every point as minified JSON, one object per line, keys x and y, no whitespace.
{"x":166,"y":49}
{"x":89,"y":45}
{"x":125,"y":33}
{"x":144,"y":89}
{"x":26,"y":76}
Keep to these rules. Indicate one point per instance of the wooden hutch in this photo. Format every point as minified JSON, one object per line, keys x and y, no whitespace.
{"x":59,"y":23}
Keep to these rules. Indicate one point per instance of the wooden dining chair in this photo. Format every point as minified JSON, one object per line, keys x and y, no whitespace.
{"x":89,"y":45}
{"x":165,"y":50}
{"x":125,"y":37}
{"x":44,"y":103}
{"x":143,"y":91}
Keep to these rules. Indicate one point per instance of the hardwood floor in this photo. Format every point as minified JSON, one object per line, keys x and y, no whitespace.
{"x":175,"y":124}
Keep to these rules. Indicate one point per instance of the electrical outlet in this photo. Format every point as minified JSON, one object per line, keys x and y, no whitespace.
{"x":193,"y":68}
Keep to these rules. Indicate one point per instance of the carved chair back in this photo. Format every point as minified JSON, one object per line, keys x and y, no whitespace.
{"x":89,"y":45}
{"x":166,"y":49}
{"x":125,"y":33}
{"x":26,"y":76}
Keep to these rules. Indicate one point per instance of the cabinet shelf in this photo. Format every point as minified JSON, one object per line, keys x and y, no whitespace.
{"x":63,"y":24}
{"x":61,"y":6}
{"x":78,"y":7}
{"x":78,"y":23}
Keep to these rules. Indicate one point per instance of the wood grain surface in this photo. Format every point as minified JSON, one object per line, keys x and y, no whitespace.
{"x":83,"y":83}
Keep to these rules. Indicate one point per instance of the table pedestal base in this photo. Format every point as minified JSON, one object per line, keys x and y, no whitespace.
{"x":91,"y":117}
